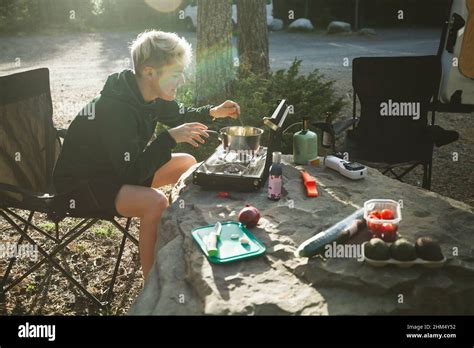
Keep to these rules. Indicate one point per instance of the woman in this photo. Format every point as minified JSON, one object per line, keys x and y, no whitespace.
{"x":106,"y":147}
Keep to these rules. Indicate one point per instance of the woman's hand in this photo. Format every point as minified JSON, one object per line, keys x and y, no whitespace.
{"x":189,"y":133}
{"x":226,"y":109}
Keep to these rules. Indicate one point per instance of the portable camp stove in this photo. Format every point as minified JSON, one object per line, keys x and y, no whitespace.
{"x":242,"y":170}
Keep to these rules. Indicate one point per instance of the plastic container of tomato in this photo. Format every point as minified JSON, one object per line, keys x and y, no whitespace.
{"x":383,"y":228}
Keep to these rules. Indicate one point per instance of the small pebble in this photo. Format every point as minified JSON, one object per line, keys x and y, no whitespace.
{"x":234,"y":236}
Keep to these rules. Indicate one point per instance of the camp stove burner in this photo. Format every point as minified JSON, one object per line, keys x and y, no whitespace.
{"x":234,"y":168}
{"x":231,"y":170}
{"x":232,"y":162}
{"x":242,"y":170}
{"x":232,"y":156}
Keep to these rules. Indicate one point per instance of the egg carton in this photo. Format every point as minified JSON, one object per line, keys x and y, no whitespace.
{"x":404,"y":264}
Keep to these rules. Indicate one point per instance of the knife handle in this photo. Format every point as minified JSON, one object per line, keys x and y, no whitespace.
{"x":212,"y":244}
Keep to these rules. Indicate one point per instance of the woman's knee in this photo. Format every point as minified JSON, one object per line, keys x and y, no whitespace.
{"x":188,"y":160}
{"x":140,"y":202}
{"x":157,"y":204}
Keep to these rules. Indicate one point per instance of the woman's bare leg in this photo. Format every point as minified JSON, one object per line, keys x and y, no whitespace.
{"x":173,"y":169}
{"x":149,"y":203}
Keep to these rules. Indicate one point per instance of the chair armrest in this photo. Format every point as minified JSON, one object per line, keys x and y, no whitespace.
{"x":26,"y":193}
{"x":451,"y":108}
{"x":40,"y":195}
{"x":336,"y":127}
{"x":341,"y":126}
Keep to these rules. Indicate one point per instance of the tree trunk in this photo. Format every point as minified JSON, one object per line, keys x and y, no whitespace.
{"x":214,"y":66}
{"x":356,"y":15}
{"x":46,"y":11}
{"x":253,"y":36}
{"x":306,"y":9}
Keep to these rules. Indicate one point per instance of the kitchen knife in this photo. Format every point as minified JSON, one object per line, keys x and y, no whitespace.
{"x":213,"y":238}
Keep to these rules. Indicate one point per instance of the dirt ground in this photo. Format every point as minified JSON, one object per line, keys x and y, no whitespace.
{"x":79,"y":65}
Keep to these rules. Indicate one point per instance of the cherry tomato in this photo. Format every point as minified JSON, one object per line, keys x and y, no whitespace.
{"x":389,"y":237}
{"x":387,"y":214}
{"x":372,"y":216}
{"x":376,"y":213}
{"x":372,"y":223}
{"x":388,"y":227}
{"x":376,"y":233}
{"x":389,"y":232}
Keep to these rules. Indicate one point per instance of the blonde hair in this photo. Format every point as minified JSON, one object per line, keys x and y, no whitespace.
{"x":158,"y":48}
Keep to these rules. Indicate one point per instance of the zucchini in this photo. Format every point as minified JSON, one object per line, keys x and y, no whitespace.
{"x":340,"y":232}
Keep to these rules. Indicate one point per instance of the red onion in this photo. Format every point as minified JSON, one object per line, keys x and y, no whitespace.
{"x":249,"y":216}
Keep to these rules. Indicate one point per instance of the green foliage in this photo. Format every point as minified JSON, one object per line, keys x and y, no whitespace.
{"x":310,"y":95}
{"x":33,"y":15}
{"x":104,"y":229}
{"x":84,"y":15}
{"x":186,"y":95}
{"x":48,"y":226}
{"x":16,"y":15}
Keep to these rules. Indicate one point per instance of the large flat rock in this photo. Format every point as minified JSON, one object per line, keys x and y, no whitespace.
{"x":182,"y":280}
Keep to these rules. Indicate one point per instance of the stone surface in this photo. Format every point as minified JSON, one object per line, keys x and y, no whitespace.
{"x":337,"y":27}
{"x":182,"y":280}
{"x":277,"y":24}
{"x":301,"y":24}
{"x":367,"y":32}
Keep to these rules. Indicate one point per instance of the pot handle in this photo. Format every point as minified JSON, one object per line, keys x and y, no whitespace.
{"x":210,"y":131}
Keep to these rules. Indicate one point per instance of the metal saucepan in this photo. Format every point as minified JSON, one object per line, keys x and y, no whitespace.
{"x":239,"y":138}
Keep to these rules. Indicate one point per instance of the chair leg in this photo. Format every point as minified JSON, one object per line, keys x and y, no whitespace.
{"x":66,"y":240}
{"x":57,"y":249}
{"x":400,"y":176}
{"x":36,"y":228}
{"x":119,"y":259}
{"x":125,"y":231}
{"x":13,"y":259}
{"x":52,"y":261}
{"x":427,"y":168}
{"x":430,"y":171}
{"x":406,"y":171}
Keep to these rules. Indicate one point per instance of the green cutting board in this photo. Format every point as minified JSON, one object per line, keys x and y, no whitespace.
{"x":229,"y":249}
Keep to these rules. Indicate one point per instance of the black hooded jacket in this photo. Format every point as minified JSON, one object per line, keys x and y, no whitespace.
{"x":109,"y":137}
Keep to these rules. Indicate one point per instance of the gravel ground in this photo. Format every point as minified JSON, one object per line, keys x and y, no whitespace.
{"x":79,"y":65}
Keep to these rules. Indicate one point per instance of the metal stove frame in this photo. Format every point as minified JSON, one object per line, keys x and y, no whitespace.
{"x":247,"y":182}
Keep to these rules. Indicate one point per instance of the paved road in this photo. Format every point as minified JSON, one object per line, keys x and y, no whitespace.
{"x":80,"y":63}
{"x":326,"y":52}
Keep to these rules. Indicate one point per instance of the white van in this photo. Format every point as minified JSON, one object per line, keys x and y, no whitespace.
{"x":457,"y":58}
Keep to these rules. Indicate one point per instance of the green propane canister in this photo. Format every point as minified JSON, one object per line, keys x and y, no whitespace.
{"x":305,"y":144}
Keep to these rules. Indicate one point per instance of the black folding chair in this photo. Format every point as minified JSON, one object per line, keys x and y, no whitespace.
{"x":395,"y":140}
{"x":29,"y":148}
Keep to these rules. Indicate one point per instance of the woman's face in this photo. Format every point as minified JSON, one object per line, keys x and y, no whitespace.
{"x":168,"y":81}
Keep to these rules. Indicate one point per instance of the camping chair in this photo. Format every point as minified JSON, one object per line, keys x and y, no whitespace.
{"x":29,"y":147}
{"x":395,"y":144}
